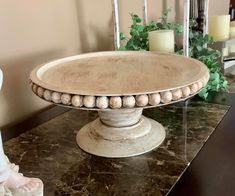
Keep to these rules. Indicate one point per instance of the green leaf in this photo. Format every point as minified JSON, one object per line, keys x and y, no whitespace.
{"x":122,"y":36}
{"x":179,"y":29}
{"x":214,"y":76}
{"x":199,"y":48}
{"x":203,"y":93}
{"x":225,"y":84}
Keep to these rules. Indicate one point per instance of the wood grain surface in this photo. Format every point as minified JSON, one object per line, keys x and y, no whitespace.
{"x":118,"y":73}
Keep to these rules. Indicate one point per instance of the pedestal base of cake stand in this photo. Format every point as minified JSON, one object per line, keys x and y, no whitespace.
{"x":120,"y":133}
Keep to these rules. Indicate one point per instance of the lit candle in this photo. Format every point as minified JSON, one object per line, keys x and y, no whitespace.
{"x":219,"y":27}
{"x":161,"y":41}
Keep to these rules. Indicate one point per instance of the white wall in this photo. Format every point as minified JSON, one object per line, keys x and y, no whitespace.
{"x":31,"y":32}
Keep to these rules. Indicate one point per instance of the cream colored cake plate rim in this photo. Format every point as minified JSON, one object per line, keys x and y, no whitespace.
{"x":45,"y":91}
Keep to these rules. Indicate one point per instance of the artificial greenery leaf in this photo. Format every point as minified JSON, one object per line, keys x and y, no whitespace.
{"x":214,"y":76}
{"x":179,"y":29}
{"x":122,"y":36}
{"x":225,"y":84}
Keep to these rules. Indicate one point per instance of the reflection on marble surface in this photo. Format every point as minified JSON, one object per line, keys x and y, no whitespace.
{"x":50,"y":152}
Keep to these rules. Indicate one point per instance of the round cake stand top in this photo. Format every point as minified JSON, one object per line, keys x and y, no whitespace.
{"x":113,"y":74}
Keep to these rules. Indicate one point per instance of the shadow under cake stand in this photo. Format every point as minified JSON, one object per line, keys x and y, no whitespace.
{"x":119,"y":85}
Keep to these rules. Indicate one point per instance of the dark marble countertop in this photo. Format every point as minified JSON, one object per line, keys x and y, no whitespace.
{"x":50,"y":152}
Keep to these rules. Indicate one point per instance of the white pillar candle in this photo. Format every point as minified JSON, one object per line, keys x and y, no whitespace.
{"x":161,"y":41}
{"x":219,"y":27}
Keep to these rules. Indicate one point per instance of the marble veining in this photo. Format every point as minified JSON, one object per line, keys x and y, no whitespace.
{"x":50,"y":152}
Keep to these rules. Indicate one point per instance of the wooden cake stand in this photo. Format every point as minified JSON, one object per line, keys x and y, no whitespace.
{"x":119,"y":85}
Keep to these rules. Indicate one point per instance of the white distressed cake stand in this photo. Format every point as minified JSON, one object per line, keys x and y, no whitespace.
{"x":119,"y":85}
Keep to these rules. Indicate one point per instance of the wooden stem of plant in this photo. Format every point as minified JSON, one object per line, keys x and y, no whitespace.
{"x":117,"y":42}
{"x":186,"y":27}
{"x":205,"y":24}
{"x":145,"y":12}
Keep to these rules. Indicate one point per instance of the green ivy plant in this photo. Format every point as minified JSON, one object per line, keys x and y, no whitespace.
{"x":139,"y":42}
